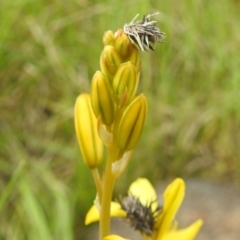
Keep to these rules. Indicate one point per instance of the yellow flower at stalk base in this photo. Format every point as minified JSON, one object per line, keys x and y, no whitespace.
{"x":144,"y":214}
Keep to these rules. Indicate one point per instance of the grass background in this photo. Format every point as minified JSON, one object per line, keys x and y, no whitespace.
{"x":49,"y":51}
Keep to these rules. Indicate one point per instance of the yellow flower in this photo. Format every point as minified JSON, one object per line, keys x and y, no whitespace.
{"x":142,"y":210}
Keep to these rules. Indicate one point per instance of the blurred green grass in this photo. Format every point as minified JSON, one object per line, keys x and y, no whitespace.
{"x":49,"y":52}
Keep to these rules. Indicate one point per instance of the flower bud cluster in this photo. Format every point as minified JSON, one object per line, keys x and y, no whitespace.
{"x":113,"y":90}
{"x":120,"y":64}
{"x":114,"y":103}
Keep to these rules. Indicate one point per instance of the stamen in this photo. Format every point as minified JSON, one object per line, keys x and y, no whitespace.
{"x":141,"y":217}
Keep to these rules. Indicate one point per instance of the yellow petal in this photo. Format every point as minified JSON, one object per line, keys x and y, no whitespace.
{"x":188,"y":233}
{"x":144,"y":191}
{"x":93,"y":213}
{"x":114,"y":237}
{"x":173,"y":197}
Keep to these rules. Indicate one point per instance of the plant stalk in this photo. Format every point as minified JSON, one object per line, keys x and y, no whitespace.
{"x":107,"y":190}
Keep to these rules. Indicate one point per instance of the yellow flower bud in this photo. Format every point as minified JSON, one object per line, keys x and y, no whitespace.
{"x":108,"y":38}
{"x":118,"y":33}
{"x":131,"y":124}
{"x":90,"y":144}
{"x":126,"y":78}
{"x":109,"y":62}
{"x":123,"y":45}
{"x":101,"y":98}
{"x":135,"y":58}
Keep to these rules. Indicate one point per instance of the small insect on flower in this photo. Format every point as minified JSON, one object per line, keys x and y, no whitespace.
{"x":144,"y":33}
{"x":141,"y":217}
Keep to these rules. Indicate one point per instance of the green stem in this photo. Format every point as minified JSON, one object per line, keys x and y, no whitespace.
{"x":108,"y":184}
{"x":97,"y":181}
